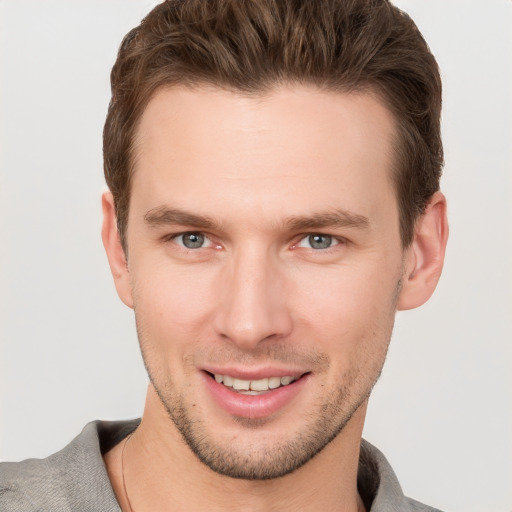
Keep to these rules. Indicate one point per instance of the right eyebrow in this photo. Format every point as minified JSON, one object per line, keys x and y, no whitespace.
{"x":163,"y":215}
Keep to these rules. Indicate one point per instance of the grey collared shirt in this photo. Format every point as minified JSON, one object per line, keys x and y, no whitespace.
{"x":75,"y":478}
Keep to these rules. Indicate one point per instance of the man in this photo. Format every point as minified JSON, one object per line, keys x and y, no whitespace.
{"x":274,"y":199}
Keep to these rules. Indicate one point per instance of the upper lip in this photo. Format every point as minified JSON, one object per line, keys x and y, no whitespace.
{"x":255,"y":374}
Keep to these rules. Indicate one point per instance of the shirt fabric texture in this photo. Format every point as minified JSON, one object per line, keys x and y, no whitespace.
{"x":75,"y":478}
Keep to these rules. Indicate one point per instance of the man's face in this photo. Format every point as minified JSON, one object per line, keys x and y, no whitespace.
{"x":263,"y":245}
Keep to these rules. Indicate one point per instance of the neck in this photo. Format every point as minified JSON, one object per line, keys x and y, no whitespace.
{"x":156,"y":470}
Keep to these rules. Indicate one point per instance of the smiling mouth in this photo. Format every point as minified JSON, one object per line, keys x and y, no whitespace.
{"x":254,"y":387}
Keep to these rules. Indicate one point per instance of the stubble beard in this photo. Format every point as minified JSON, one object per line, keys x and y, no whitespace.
{"x":322,"y":426}
{"x":284,"y":456}
{"x":277,"y":461}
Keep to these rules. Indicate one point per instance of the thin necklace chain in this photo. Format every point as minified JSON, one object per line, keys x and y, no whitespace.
{"x":122,"y":472}
{"x":360,"y":507}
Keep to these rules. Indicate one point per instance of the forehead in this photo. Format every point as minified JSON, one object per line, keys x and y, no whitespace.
{"x":294,"y":145}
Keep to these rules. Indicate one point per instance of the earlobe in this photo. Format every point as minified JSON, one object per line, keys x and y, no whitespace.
{"x":114,"y":249}
{"x":425,"y":257}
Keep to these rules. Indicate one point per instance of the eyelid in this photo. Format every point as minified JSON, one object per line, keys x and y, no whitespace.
{"x":174,"y":237}
{"x":209,"y":242}
{"x":336,"y":240}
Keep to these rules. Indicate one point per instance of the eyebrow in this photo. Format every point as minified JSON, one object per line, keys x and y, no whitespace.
{"x":335,"y":218}
{"x":163,"y":215}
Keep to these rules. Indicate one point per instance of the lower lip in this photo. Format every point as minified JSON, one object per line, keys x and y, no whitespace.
{"x":253,"y":406}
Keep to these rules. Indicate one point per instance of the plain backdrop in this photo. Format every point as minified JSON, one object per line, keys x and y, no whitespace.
{"x":442,"y":410}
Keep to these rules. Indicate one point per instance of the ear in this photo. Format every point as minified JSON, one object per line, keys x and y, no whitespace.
{"x":425,"y":257}
{"x":115,"y":252}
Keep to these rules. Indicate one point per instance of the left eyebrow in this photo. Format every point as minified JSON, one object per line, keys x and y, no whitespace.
{"x":335,"y":218}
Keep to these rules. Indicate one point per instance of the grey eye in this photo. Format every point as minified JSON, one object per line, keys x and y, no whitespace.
{"x":192,"y":240}
{"x":320,"y":241}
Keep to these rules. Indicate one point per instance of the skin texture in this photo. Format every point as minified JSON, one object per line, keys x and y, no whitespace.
{"x":253,"y":178}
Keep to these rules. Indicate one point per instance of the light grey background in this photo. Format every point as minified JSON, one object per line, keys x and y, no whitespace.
{"x":68,"y":351}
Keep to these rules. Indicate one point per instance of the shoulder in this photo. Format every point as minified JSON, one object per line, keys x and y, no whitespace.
{"x":73,"y":478}
{"x":379,"y":486}
{"x":22,"y":484}
{"x":415,"y":506}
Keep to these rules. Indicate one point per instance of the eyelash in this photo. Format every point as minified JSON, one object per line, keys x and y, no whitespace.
{"x":333,"y":240}
{"x":175,"y":236}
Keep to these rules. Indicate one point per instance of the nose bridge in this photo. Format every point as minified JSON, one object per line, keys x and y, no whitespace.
{"x":253,"y":305}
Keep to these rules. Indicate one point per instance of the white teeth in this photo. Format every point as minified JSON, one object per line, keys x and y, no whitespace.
{"x":253,"y":385}
{"x":274,"y":382}
{"x":240,"y":384}
{"x":259,"y":385}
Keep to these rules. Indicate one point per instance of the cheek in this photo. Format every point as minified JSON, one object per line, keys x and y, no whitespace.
{"x":345,"y":293}
{"x":348,"y":309}
{"x":171,"y":302}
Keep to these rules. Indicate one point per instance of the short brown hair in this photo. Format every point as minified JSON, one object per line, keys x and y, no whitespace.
{"x":250,"y":46}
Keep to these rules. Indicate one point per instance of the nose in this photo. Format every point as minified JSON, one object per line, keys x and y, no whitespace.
{"x":253,"y":305}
